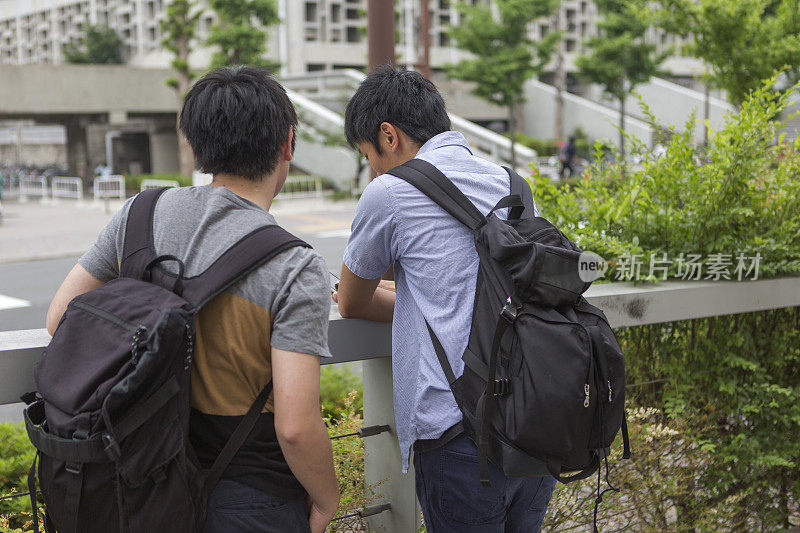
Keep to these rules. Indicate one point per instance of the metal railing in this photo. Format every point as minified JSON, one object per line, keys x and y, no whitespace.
{"x":32,"y":186}
{"x":67,"y":187}
{"x":109,"y":187}
{"x":301,"y":187}
{"x":370,"y":342}
{"x":335,"y":86}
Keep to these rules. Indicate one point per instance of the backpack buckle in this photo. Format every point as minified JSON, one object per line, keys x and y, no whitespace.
{"x":510,"y":310}
{"x":111,"y":447}
{"x":502,"y":387}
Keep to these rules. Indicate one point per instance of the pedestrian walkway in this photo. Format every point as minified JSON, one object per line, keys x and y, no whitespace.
{"x":44,"y":231}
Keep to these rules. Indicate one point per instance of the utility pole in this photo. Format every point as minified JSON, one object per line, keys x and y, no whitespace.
{"x":561,"y":80}
{"x":380,"y":33}
{"x":424,"y":66}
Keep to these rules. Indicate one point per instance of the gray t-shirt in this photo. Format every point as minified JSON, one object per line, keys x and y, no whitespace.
{"x":284,"y":304}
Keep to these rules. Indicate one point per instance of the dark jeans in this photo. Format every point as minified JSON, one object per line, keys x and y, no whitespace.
{"x":454,"y":501}
{"x":237,"y":507}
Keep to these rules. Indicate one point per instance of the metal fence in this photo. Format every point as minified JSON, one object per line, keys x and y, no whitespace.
{"x":32,"y":186}
{"x":66,"y":187}
{"x":157,"y":184}
{"x":301,"y":187}
{"x":109,"y":187}
{"x":370,"y":342}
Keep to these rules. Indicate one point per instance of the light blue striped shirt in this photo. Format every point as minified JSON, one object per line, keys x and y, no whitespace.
{"x":436,"y":268}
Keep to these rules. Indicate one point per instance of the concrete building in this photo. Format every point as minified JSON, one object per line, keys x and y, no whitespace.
{"x":313,"y":35}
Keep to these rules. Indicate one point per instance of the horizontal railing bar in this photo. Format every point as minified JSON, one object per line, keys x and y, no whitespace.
{"x":625,"y":304}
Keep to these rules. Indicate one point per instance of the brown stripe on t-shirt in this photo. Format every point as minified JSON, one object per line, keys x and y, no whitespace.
{"x":232,"y":359}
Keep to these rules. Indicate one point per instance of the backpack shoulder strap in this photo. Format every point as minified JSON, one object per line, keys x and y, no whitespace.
{"x":251,"y":252}
{"x":521,"y":188}
{"x":436,"y":186}
{"x":138,"y":249}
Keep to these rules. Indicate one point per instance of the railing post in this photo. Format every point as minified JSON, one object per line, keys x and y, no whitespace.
{"x":382,"y":462}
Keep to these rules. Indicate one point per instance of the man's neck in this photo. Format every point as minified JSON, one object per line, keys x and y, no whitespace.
{"x":260,"y":193}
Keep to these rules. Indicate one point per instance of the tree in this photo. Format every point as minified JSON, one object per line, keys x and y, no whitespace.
{"x":239,"y":40}
{"x":504,"y":55}
{"x":742,"y":41}
{"x":620,"y":57}
{"x":179,"y":28}
{"x":97,"y":45}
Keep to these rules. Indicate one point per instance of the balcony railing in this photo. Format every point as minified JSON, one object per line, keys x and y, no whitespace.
{"x":370,"y":342}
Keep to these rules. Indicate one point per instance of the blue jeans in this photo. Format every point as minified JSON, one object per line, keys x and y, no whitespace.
{"x":454,"y":501}
{"x":238,"y":507}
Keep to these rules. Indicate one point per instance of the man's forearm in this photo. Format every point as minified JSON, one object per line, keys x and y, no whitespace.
{"x":380,"y":307}
{"x":310,"y":457}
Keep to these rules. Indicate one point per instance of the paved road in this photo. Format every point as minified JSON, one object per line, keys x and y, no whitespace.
{"x":64,"y":231}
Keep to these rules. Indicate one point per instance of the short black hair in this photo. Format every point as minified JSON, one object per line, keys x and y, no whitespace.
{"x":403,"y":98}
{"x":236,"y":119}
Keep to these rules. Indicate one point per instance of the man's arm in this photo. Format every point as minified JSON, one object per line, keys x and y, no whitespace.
{"x":77,"y":282}
{"x":364,"y":298}
{"x":301,"y":432}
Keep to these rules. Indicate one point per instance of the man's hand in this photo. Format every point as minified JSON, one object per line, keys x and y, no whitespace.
{"x":319,"y":519}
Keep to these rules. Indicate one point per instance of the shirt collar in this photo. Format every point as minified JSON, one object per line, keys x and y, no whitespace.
{"x":447,"y":138}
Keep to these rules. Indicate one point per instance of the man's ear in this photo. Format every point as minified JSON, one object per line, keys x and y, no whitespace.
{"x":389,"y":137}
{"x":286,"y":149}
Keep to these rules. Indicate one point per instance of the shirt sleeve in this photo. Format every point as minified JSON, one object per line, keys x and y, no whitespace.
{"x":102,"y":259}
{"x":300,"y":322}
{"x":372,"y":248}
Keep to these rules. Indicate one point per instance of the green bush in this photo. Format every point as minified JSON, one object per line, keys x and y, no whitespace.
{"x":728,"y":385}
{"x":16,"y":456}
{"x":134,"y":181}
{"x":336,"y":383}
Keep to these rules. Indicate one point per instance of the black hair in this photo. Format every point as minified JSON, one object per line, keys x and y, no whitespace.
{"x":236,"y":120}
{"x":403,"y":98}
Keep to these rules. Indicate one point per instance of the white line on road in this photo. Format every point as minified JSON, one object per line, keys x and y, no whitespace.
{"x":8,"y":302}
{"x":333,"y":233}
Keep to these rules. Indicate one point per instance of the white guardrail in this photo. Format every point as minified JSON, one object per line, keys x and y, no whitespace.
{"x":67,"y":187}
{"x":301,"y":187}
{"x":32,"y":186}
{"x":109,"y":187}
{"x":370,"y":342}
{"x":157,"y":184}
{"x":339,"y":84}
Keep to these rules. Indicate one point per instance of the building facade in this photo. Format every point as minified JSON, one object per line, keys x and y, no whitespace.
{"x":313,"y":35}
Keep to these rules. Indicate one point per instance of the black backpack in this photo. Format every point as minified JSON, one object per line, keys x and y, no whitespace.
{"x":543,"y":388}
{"x":110,"y":417}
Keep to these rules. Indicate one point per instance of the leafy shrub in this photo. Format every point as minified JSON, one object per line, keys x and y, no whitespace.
{"x":348,"y":457}
{"x":16,"y":456}
{"x":728,"y":385}
{"x":337,"y":382}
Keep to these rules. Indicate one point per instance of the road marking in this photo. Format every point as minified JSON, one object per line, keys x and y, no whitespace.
{"x":333,"y":233}
{"x":8,"y":302}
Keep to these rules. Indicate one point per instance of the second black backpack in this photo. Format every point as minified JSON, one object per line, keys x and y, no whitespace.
{"x":543,"y":388}
{"x":110,"y":417}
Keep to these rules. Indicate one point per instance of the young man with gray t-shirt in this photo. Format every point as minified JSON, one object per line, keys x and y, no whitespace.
{"x":272,"y":324}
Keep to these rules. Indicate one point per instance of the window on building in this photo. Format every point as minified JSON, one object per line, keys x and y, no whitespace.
{"x":315,"y":67}
{"x":352,"y":14}
{"x":571,"y":45}
{"x":311,"y":11}
{"x":353,"y":35}
{"x":444,"y":39}
{"x":311,"y":35}
{"x":544,"y":30}
{"x":336,"y":13}
{"x":336,"y":35}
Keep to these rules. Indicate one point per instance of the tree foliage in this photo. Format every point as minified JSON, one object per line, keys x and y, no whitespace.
{"x":97,"y":45}
{"x":620,"y":56}
{"x":729,"y":385}
{"x":179,"y":29}
{"x":240,"y":35}
{"x":503,"y":55}
{"x":742,"y":41}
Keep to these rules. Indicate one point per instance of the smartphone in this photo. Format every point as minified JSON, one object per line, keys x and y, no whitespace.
{"x":334,"y":282}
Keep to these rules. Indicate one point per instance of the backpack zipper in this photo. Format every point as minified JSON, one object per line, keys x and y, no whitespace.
{"x":105,"y":315}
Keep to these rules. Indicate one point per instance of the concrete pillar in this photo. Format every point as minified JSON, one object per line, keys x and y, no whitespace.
{"x":77,"y":152}
{"x":382,"y":460}
{"x":164,"y":150}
